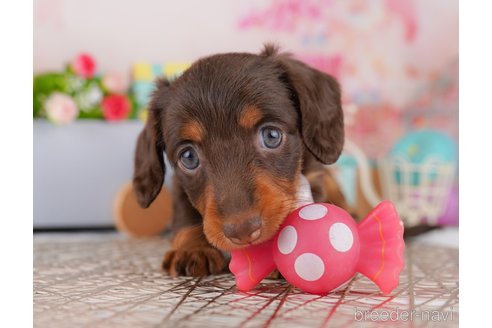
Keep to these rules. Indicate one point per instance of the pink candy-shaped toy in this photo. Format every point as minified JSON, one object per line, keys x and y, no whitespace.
{"x":320,"y":247}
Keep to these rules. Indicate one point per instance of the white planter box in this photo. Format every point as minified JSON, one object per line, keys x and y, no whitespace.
{"x":78,"y":169}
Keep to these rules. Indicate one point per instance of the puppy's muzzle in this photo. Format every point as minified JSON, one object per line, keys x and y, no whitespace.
{"x":244,"y":232}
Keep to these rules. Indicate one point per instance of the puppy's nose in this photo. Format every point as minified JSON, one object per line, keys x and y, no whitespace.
{"x":244,"y":232}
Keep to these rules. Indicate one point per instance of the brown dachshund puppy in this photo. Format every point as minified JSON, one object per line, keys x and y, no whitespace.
{"x":238,"y":129}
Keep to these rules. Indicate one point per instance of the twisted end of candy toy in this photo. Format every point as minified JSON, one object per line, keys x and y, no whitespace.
{"x":382,"y":247}
{"x":250,"y":265}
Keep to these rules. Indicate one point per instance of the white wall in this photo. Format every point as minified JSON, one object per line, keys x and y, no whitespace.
{"x":118,"y":33}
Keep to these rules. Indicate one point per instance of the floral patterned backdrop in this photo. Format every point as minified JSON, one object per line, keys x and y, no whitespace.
{"x":397,"y":60}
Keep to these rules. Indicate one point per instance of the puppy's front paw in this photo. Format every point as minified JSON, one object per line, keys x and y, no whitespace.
{"x":196,"y":262}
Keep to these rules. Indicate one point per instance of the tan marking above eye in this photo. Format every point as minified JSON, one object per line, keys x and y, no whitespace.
{"x":193,"y":131}
{"x":250,"y":116}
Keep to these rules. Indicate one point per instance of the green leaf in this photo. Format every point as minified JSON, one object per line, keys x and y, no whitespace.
{"x":43,"y":86}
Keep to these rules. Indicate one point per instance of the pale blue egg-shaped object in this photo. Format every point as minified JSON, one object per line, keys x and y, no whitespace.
{"x":422,"y":147}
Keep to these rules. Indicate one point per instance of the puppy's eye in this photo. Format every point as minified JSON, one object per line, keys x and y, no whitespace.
{"x":270,"y":137}
{"x":189,"y":158}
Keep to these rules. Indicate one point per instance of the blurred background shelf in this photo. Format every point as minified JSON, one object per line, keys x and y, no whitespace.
{"x":78,"y":169}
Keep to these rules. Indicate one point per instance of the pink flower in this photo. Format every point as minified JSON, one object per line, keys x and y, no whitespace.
{"x":116,"y":107}
{"x":115,"y":82}
{"x":61,"y":108}
{"x":84,"y":65}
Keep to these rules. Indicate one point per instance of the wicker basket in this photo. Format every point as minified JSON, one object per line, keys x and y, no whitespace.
{"x":419,"y":191}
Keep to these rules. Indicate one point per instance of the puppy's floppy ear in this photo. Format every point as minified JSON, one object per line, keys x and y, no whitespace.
{"x":150,"y":169}
{"x":317,"y":97}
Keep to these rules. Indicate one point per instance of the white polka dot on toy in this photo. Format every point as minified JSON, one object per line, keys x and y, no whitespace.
{"x":341,"y":237}
{"x":287,"y":240}
{"x":313,"y":212}
{"x":309,"y":266}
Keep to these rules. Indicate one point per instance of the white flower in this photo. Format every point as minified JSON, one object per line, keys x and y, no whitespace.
{"x":94,"y":95}
{"x":89,"y":98}
{"x":75,"y":83}
{"x":60,"y":108}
